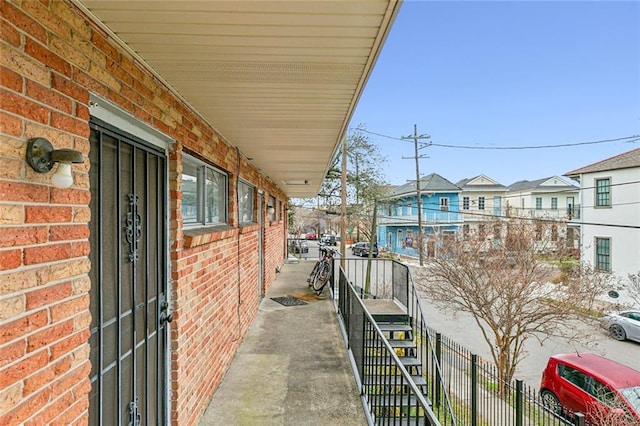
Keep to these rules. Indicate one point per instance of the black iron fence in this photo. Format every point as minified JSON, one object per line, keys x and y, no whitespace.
{"x":461,"y":388}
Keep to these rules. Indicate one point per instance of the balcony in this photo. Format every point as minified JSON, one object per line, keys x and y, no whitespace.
{"x":361,"y":354}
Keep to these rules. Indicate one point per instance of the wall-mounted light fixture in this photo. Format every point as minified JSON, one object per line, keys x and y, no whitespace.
{"x":41,"y":156}
{"x":270,"y":210}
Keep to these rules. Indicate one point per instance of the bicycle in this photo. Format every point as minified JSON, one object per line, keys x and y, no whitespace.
{"x":322,"y":270}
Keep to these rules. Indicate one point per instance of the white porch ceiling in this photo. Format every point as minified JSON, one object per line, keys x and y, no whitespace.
{"x":278,"y":79}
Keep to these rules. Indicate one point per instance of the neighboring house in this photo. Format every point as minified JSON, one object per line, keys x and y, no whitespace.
{"x":128,"y":282}
{"x":398,"y":216}
{"x":481,"y":200}
{"x":551,"y":199}
{"x":610,"y":213}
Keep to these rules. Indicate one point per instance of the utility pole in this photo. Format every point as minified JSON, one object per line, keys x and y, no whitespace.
{"x":417,"y":157}
{"x":357,"y":197}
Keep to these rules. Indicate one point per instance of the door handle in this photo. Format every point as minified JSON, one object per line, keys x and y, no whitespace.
{"x":164,"y":315}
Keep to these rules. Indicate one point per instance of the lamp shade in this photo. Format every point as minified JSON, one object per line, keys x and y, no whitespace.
{"x":62,"y":178}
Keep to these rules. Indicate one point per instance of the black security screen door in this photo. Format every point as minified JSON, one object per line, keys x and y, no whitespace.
{"x":128,"y":280}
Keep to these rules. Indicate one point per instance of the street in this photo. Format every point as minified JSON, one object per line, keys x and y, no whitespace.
{"x":462,"y":328}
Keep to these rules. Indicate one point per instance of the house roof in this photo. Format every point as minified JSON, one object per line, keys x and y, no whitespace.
{"x":480,"y":183}
{"x":429,"y":183}
{"x":548,"y":184}
{"x":280,"y":80}
{"x":625,"y":160}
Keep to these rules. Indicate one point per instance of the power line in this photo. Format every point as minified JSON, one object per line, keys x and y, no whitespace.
{"x":627,"y":139}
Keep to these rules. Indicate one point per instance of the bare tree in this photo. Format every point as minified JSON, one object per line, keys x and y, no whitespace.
{"x":633,"y":287}
{"x":506,"y":285}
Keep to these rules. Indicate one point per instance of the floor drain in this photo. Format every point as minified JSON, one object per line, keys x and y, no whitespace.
{"x":289,"y":301}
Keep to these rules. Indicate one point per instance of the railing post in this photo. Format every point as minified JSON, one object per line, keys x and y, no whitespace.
{"x":438,"y":370}
{"x":474,"y":390}
{"x":519,"y":404}
{"x":579,"y":421}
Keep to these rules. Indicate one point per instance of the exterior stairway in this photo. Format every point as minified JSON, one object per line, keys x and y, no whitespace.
{"x":393,"y":399}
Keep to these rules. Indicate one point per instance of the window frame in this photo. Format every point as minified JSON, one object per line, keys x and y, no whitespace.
{"x":482,"y":202}
{"x":201,"y":175}
{"x":538,"y":203}
{"x":602,"y":260}
{"x":251,"y":199}
{"x":466,"y":202}
{"x":554,"y":203}
{"x":444,"y":204}
{"x":602,"y":199}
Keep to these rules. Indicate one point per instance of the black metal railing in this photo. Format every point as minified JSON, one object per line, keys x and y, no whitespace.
{"x":387,"y":389}
{"x":461,"y":388}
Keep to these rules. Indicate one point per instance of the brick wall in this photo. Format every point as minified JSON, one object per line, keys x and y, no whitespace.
{"x":52,"y":58}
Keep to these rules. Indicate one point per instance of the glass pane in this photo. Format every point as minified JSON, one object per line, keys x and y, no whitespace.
{"x":215,"y":190}
{"x":189,"y":192}
{"x":245,"y":206}
{"x":111,"y":231}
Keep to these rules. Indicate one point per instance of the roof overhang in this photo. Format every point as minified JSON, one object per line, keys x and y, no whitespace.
{"x":278,"y":79}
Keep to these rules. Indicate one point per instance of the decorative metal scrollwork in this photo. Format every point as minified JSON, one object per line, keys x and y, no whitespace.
{"x":133,"y":227}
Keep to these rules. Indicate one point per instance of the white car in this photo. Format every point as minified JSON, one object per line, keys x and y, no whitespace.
{"x":623,"y":325}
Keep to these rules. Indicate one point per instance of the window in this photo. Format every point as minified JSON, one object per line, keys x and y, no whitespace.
{"x":481,"y":202}
{"x":538,"y":232}
{"x":465,"y":203}
{"x":465,"y":231}
{"x":554,"y":232}
{"x":603,"y":254}
{"x":410,"y":209}
{"x":554,"y":203}
{"x":603,"y":192}
{"x":497,"y":231}
{"x":481,"y":230}
{"x":204,"y":193}
{"x":444,"y":204}
{"x":245,"y":202}
{"x":538,"y":203}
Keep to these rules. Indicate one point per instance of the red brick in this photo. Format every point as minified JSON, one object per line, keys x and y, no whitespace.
{"x":78,"y":409}
{"x":23,"y":107}
{"x":69,"y":344}
{"x":68,"y":232}
{"x":70,"y":88}
{"x":10,"y":259}
{"x":22,"y":21}
{"x":12,"y":351}
{"x":50,"y":334}
{"x":70,"y":196}
{"x":73,"y":378}
{"x":69,"y":124}
{"x":23,"y":326}
{"x":47,"y":214}
{"x":47,"y":295}
{"x":69,"y":308}
{"x":47,"y":57}
{"x":22,"y":369}
{"x":49,"y":97}
{"x":10,"y":124}
{"x":52,"y":410}
{"x":9,"y":34}
{"x":53,"y":252}
{"x":15,"y":191}
{"x":24,"y":235}
{"x":26,"y":408}
{"x":10,"y":79}
{"x":47,"y":375}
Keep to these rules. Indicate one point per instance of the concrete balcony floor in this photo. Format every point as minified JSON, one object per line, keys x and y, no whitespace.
{"x":292,"y":367}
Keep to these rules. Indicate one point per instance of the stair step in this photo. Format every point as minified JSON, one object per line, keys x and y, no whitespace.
{"x":393,"y":380}
{"x":398,"y":400}
{"x":407,"y":361}
{"x":411,"y":421}
{"x":399,"y":318}
{"x":394,"y":327}
{"x":402,"y":343}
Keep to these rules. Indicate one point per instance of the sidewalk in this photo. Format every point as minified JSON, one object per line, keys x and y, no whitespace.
{"x":292,"y":367}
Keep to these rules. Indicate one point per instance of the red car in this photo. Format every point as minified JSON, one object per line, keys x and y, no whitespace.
{"x":605,"y":391}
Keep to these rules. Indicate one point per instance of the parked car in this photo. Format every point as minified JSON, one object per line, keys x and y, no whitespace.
{"x":311,"y":236}
{"x":329,"y":240}
{"x":593,"y":385}
{"x":299,"y":246}
{"x":623,"y":325}
{"x":362,"y":249}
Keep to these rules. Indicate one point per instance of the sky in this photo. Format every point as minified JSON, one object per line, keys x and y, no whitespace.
{"x":504,"y":74}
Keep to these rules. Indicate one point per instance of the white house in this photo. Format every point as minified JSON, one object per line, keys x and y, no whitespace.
{"x":610,"y":213}
{"x":481,"y":199}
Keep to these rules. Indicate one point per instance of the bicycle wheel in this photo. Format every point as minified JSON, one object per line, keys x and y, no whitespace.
{"x":313,"y":274}
{"x":324,"y":271}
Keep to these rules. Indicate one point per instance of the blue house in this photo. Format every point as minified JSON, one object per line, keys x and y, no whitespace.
{"x":398,"y":216}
